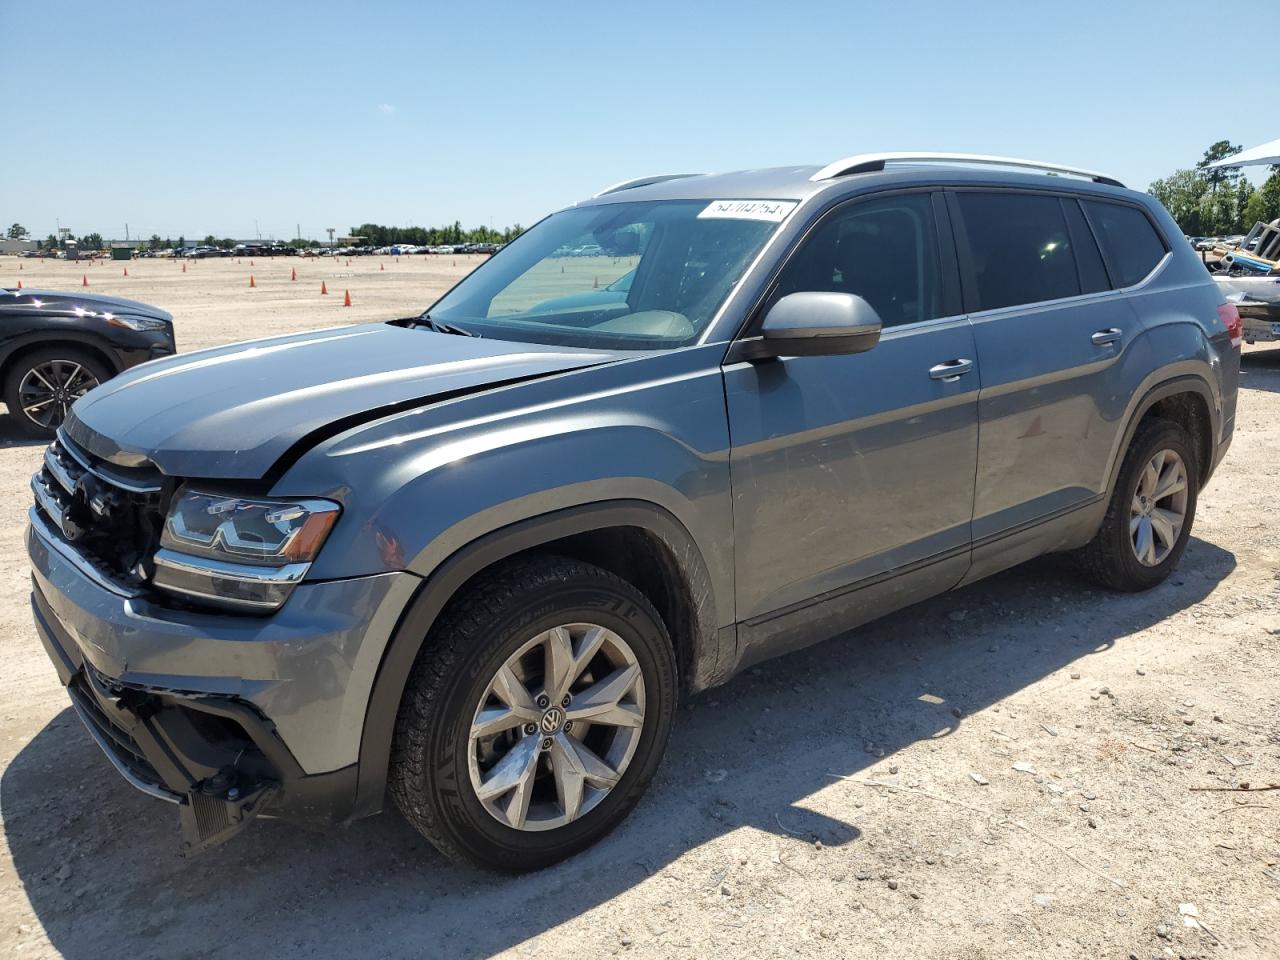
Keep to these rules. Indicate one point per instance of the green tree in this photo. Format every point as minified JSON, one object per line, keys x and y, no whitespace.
{"x":1217,"y":177}
{"x":155,"y":243}
{"x":92,"y":241}
{"x":51,"y":243}
{"x":210,"y":241}
{"x":1264,"y":203}
{"x":377,"y":235}
{"x":1210,"y":202}
{"x":17,"y":232}
{"x":1181,"y":193}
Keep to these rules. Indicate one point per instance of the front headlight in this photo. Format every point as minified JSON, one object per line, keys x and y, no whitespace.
{"x":140,"y":324}
{"x":237,"y":551}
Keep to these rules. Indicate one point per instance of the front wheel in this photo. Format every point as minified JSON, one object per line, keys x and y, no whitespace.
{"x":42,"y":386}
{"x":1148,"y":520}
{"x":535,"y":716}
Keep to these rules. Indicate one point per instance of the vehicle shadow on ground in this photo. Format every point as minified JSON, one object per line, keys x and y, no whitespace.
{"x":1260,"y":370}
{"x":10,"y":436}
{"x":100,"y":866}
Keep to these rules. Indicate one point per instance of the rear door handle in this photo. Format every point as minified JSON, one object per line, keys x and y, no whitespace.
{"x":1110,"y":335}
{"x":950,"y":371}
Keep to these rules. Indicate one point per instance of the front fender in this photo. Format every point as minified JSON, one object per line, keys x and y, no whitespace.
{"x":447,"y":490}
{"x":709,"y":660}
{"x":418,"y":486}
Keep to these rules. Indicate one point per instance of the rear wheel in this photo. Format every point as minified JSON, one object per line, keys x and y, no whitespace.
{"x":535,"y":715}
{"x":1149,"y":517}
{"x":42,"y":386}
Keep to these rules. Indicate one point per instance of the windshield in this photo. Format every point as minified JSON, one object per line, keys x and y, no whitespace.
{"x":639,"y":275}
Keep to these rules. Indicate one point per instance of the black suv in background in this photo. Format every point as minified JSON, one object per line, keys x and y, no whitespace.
{"x":56,"y":347}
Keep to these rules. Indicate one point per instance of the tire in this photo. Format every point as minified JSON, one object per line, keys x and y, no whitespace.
{"x":436,"y":763}
{"x":82,"y":371}
{"x":1112,"y":557}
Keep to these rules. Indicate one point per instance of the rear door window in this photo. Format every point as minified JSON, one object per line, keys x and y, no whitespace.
{"x":1019,"y":249}
{"x":1129,"y":240}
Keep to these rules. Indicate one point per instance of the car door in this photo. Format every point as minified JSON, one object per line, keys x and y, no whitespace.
{"x":1052,"y":338}
{"x":853,"y":475}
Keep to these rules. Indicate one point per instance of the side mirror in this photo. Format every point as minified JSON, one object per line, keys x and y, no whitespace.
{"x":814,"y":324}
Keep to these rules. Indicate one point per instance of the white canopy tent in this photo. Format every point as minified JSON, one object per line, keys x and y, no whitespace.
{"x":1267,"y":153}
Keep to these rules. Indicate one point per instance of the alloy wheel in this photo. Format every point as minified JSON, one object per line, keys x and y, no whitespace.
{"x":1159,"y":508}
{"x":49,"y":389}
{"x":556,"y":727}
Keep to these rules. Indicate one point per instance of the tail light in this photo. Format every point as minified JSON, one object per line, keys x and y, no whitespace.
{"x":1230,"y":317}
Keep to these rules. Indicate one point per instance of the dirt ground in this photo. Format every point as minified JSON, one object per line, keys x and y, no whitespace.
{"x":1013,"y":770}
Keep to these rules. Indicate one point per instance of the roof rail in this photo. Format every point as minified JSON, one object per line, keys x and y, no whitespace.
{"x":643,"y":182}
{"x":868,"y":162}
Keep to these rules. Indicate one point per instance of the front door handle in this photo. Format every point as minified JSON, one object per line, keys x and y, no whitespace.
{"x":951,"y":371}
{"x":1110,"y":335}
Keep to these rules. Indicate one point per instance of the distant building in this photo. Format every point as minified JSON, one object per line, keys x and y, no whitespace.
{"x":16,"y":246}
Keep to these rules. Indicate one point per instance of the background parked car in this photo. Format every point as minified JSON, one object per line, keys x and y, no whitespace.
{"x":56,"y":347}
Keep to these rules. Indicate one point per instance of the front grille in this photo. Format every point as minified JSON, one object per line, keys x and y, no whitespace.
{"x":112,"y":520}
{"x":114,"y":735}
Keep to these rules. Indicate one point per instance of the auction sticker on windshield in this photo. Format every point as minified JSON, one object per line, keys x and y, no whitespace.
{"x":774,"y":211}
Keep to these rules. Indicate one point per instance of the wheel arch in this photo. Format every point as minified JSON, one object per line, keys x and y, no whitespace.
{"x":637,"y":540}
{"x":29,"y":343}
{"x":1187,"y":400}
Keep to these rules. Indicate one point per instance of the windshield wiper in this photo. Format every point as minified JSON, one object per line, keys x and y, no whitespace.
{"x":439,"y":326}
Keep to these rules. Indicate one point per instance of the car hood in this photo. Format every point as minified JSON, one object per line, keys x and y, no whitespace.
{"x":233,"y":412}
{"x":61,"y":302}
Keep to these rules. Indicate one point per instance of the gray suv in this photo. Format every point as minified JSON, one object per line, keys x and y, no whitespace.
{"x":472,"y":558}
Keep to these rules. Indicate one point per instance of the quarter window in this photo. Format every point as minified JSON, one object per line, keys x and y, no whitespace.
{"x":885,"y":250}
{"x":1020,"y":248}
{"x":1129,"y":241}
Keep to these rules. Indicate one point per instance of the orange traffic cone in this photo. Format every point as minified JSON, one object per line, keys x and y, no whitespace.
{"x":382,"y":266}
{"x":455,"y":263}
{"x":293,"y":274}
{"x":126,"y":271}
{"x":348,"y":263}
{"x":184,"y":266}
{"x":252,"y":282}
{"x":84,"y":280}
{"x":323,"y":289}
{"x":251,"y":263}
{"x":19,"y":284}
{"x":346,"y":300}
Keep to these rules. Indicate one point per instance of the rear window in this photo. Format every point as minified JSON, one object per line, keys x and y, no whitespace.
{"x":1129,"y":241}
{"x":1020,"y":248}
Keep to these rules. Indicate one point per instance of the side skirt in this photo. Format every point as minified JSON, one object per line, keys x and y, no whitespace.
{"x":822,"y":618}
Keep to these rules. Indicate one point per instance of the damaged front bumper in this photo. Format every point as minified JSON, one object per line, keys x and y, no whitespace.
{"x":198,"y":755}
{"x":217,"y":758}
{"x":228,"y":717}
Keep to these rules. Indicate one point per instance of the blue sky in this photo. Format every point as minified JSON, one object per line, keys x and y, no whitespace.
{"x":195,"y":118}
